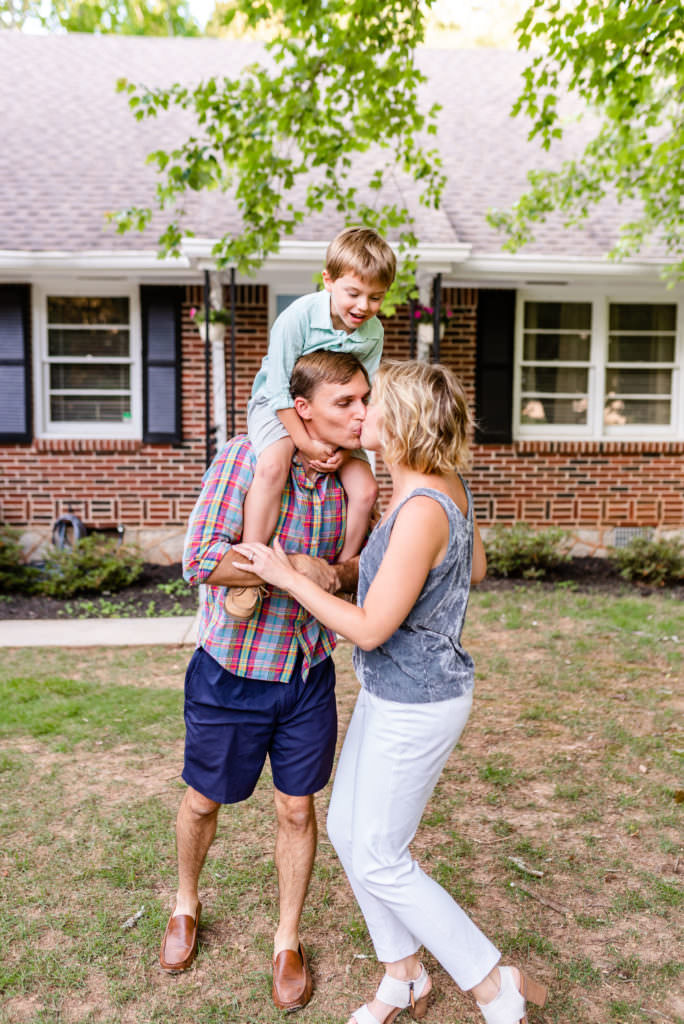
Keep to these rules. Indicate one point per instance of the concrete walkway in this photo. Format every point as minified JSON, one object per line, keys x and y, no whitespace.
{"x":97,"y":632}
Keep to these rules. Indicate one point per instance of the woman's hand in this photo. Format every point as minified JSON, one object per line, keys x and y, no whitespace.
{"x":272,"y":564}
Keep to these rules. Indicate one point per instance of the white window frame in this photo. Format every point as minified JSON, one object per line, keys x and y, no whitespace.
{"x":132,"y":429}
{"x":595,"y":429}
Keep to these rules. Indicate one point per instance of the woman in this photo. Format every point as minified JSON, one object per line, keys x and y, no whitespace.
{"x":416,"y":692}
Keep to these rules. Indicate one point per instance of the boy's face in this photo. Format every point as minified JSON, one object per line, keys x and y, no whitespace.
{"x":352,"y":300}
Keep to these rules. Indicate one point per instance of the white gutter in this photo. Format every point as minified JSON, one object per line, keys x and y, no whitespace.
{"x":455,"y":262}
{"x":511,"y":269}
{"x":311,"y":255}
{"x":98,"y":261}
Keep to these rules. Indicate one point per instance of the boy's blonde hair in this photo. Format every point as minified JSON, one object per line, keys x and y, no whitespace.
{"x":363,"y":252}
{"x":426,"y":419}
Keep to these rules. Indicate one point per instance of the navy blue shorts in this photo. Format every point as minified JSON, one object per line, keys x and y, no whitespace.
{"x":232,"y":723}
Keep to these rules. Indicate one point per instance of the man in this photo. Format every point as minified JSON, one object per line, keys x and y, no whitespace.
{"x":266,"y":685}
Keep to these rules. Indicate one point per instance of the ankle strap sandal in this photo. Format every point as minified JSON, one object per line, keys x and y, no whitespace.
{"x":509,"y":1005}
{"x":413,"y":996}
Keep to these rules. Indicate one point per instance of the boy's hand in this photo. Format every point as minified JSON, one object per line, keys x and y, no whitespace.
{"x":324,"y":458}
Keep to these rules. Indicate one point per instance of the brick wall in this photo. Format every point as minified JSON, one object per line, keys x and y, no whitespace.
{"x":590,"y":488}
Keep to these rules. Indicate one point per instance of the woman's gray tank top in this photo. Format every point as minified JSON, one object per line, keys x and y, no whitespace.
{"x":423,"y":661}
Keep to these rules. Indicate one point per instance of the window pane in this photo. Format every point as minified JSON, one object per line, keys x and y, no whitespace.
{"x":644,"y":348}
{"x":90,"y":408}
{"x":631,"y":316}
{"x":553,"y":316}
{"x":283,"y":301}
{"x":637,"y":411}
{"x":553,"y":410}
{"x":88,"y":343}
{"x":87,"y":309}
{"x":639,"y":382}
{"x":572,"y":348}
{"x":80,"y":376}
{"x":551,"y":379}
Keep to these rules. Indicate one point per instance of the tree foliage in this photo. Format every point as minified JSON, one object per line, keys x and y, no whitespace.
{"x":122,"y":17}
{"x":625,"y":60}
{"x":283,"y":137}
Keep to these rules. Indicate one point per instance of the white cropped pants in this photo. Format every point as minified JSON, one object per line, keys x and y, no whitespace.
{"x":392,"y":757}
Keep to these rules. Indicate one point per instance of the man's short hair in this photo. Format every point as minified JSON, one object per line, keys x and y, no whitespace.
{"x":323,"y":367}
{"x":363,"y":252}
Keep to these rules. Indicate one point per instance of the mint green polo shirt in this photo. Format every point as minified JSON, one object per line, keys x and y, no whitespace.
{"x":306,"y":326}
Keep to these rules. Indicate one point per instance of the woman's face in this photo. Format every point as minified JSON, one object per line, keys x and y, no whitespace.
{"x":372,"y":425}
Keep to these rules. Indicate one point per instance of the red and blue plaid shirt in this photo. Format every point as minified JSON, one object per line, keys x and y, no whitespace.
{"x":312,"y":520}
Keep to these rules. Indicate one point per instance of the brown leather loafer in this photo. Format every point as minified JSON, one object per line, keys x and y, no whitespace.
{"x":179,"y":945}
{"x":292,"y":985}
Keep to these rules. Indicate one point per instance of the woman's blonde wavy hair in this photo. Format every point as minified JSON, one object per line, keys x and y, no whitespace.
{"x":425,"y":416}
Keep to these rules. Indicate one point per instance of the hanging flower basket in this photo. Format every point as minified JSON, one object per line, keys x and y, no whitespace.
{"x":426,"y":315}
{"x":425,"y":328}
{"x":425,"y":336}
{"x":218,"y":321}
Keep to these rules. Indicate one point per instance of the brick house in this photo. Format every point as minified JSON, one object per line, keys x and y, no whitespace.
{"x":573,"y":363}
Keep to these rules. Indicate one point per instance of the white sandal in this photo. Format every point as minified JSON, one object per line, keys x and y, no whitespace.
{"x":411,"y":995}
{"x":509,"y":1005}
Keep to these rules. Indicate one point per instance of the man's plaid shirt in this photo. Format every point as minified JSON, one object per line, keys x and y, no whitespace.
{"x":312,"y":520}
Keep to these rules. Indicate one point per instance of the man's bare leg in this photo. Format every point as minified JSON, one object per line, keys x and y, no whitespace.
{"x":195,"y":831}
{"x":294,"y":855}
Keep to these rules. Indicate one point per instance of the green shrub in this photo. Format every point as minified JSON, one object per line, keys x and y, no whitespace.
{"x":94,"y":565}
{"x":15,"y":574}
{"x":647,"y":560}
{"x":521,"y":551}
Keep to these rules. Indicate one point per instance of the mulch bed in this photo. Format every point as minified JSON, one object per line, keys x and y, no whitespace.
{"x":144,"y":590}
{"x":584,"y":574}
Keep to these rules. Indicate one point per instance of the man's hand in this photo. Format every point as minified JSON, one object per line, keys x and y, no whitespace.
{"x":317,"y":570}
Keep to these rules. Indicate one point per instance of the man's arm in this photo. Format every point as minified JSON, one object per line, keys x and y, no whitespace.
{"x":332,"y":578}
{"x":216,"y":520}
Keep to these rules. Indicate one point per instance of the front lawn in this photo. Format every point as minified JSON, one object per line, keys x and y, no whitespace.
{"x":557,"y":824}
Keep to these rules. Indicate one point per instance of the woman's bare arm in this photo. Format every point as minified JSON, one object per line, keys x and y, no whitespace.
{"x":417,"y":542}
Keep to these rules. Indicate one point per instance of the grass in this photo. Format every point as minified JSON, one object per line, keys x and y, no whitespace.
{"x":557,"y":825}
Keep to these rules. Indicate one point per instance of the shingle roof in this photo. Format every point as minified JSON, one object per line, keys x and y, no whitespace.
{"x":72,"y":150}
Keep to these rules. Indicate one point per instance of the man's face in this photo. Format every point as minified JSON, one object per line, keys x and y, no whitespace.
{"x":335,"y":412}
{"x":352,"y":300}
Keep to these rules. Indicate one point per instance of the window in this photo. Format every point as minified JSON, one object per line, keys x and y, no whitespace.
{"x":640,"y":365}
{"x":597,"y":367}
{"x":556,"y":362}
{"x":88,"y":380}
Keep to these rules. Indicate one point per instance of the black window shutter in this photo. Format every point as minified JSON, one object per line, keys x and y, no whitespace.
{"x":161,"y":338}
{"x":16,"y":416}
{"x":494,"y":366}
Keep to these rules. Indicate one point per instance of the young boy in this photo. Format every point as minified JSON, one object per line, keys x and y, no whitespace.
{"x":359,"y":268}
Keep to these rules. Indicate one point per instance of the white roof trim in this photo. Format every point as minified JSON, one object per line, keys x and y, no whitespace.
{"x":519,"y":269}
{"x":98,"y":262}
{"x":454,"y":262}
{"x":311,"y":255}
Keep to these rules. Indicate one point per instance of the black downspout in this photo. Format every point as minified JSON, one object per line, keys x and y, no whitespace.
{"x":207,"y":373}
{"x":232,"y":351}
{"x":437,"y":304}
{"x":412,"y":328}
